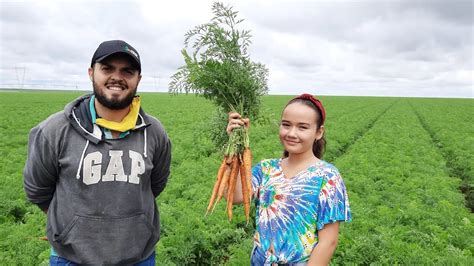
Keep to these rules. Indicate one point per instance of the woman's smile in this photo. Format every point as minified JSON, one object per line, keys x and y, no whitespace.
{"x":291,"y":142}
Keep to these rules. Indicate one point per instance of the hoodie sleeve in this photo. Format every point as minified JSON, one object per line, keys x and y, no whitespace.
{"x":161,"y":164}
{"x":41,"y":171}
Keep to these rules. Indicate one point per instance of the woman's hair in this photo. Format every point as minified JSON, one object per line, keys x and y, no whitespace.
{"x":320,"y":144}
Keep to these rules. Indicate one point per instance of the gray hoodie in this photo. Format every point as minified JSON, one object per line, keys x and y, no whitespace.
{"x":99,"y":194}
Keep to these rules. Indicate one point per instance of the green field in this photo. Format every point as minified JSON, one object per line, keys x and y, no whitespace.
{"x":407,"y":164}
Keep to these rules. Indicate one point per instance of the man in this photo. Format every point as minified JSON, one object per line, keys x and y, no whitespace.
{"x":96,"y":167}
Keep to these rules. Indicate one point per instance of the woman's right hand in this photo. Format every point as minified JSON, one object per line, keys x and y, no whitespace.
{"x":235,"y":121}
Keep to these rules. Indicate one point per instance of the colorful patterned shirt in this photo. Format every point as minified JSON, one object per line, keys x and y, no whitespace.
{"x":289,"y":211}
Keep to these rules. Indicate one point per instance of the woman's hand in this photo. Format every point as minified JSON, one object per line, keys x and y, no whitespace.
{"x":235,"y":121}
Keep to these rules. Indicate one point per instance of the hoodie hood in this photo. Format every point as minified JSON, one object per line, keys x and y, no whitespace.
{"x":79,"y":116}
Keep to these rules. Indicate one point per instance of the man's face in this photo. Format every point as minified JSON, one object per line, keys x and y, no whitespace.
{"x":115,"y":81}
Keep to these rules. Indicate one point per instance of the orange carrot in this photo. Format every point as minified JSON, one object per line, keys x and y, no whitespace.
{"x":247,"y":161}
{"x":245,"y":192}
{"x":232,"y":182}
{"x":229,"y":159}
{"x":223,"y":184}
{"x":220,"y":173}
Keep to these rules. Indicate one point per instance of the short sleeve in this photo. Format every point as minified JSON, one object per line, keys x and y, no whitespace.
{"x":333,"y":202}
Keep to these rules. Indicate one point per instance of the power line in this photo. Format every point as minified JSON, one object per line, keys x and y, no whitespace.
{"x":20,"y":73}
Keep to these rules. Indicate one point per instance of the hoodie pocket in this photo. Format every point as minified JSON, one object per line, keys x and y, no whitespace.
{"x":107,"y":239}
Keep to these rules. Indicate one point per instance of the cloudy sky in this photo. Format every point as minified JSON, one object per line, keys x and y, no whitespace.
{"x":364,"y":47}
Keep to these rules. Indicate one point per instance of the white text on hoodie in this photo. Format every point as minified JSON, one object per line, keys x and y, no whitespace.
{"x":93,"y":168}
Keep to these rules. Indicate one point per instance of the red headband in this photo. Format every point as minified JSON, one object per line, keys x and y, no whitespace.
{"x":316,"y":102}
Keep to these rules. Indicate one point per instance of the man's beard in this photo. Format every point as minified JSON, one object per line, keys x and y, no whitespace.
{"x":113,"y":104}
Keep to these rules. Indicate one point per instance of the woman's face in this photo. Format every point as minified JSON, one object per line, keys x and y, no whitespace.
{"x":298,"y":128}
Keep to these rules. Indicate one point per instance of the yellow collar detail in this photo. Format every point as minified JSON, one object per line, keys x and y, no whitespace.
{"x":127,"y":123}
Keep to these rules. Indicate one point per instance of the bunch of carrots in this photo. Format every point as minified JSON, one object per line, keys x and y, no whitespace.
{"x":237,"y":160}
{"x":218,"y":68}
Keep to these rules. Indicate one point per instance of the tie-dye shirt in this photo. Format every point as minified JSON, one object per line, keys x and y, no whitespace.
{"x":289,"y":211}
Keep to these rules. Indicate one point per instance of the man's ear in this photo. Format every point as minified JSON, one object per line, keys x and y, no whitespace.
{"x":91,"y":72}
{"x":139,"y":78}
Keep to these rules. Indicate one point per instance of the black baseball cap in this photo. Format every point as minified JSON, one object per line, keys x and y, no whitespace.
{"x":108,"y":48}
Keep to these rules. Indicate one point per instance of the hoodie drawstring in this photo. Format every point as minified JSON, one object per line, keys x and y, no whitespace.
{"x":82,"y":160}
{"x":144,"y":149}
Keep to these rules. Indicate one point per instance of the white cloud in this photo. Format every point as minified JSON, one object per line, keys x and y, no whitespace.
{"x":389,"y":47}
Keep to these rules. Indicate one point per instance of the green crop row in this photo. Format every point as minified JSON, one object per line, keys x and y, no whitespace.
{"x":406,"y":209}
{"x":450,"y":124}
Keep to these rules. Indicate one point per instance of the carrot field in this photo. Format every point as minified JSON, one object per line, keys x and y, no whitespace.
{"x":408,"y":164}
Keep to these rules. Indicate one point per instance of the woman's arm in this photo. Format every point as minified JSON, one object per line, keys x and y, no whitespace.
{"x":327,"y":243}
{"x":238,"y":198}
{"x":236,"y":121}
